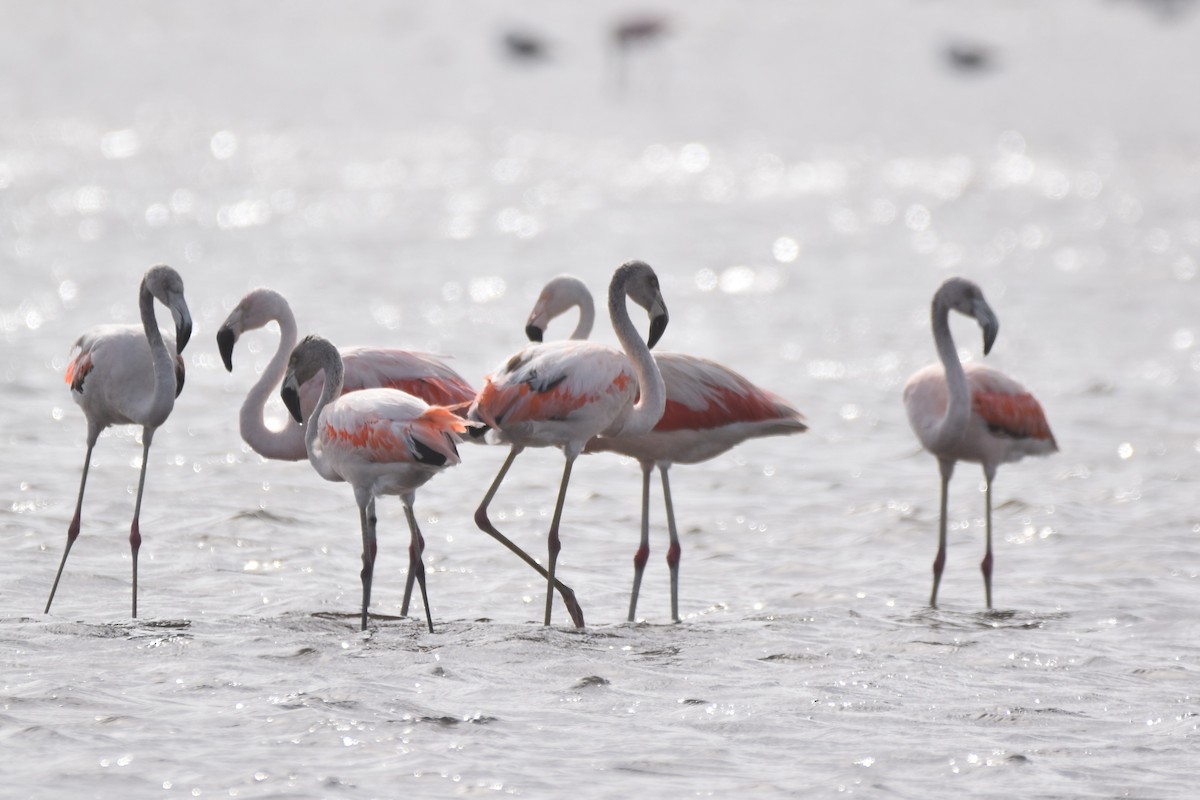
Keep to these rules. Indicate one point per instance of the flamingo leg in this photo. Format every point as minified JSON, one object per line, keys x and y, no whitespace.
{"x":135,"y":535}
{"x":946,"y":468}
{"x":674,"y":551}
{"x":485,"y":525}
{"x":553,"y":543}
{"x":366,"y":513}
{"x":73,"y":528}
{"x":643,"y":552}
{"x":986,"y":565}
{"x":411,"y":578}
{"x":416,"y":552}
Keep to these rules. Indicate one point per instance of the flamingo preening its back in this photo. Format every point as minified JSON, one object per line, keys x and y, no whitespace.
{"x":563,"y":394}
{"x":419,"y":374}
{"x":709,"y":409}
{"x":971,"y":412}
{"x":128,"y":375}
{"x":380,"y":441}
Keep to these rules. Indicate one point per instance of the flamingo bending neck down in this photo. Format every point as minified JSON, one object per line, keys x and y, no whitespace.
{"x":419,"y":374}
{"x":971,"y":413}
{"x":380,"y":441}
{"x":565,"y":393}
{"x":709,"y":409}
{"x":128,"y":375}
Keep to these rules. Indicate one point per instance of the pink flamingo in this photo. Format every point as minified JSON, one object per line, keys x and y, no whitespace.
{"x":380,"y":441}
{"x":128,"y":375}
{"x":709,"y":409}
{"x":563,"y":394}
{"x":971,"y":412}
{"x":418,"y":374}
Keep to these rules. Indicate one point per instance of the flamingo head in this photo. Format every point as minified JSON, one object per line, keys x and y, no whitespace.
{"x":253,"y":311}
{"x":967,"y":298}
{"x":641,"y":286}
{"x":165,"y":285}
{"x":560,"y":295}
{"x":312,"y":355}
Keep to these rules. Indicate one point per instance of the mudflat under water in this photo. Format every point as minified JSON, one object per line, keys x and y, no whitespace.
{"x":801,"y":181}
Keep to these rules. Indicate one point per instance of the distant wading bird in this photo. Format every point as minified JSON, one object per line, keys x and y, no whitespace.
{"x":709,"y":409}
{"x":562,"y":394}
{"x":418,"y":374}
{"x":380,"y":441}
{"x":971,"y":412}
{"x":128,"y":375}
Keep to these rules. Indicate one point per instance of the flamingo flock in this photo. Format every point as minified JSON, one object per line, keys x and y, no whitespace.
{"x":386,"y":420}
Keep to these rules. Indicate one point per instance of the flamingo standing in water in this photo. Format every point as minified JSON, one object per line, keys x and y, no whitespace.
{"x":128,"y":375}
{"x":563,"y":394}
{"x":971,"y":412}
{"x":380,"y":441}
{"x":418,"y":374}
{"x":709,"y":409}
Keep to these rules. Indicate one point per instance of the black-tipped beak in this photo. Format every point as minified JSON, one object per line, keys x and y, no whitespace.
{"x":290,"y":394}
{"x":225,"y":341}
{"x":987,"y":321}
{"x":183,"y":332}
{"x":534,"y":333}
{"x":989,"y":336}
{"x":658,"y":324}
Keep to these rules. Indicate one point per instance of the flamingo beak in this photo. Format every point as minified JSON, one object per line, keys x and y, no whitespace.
{"x":225,"y":341}
{"x":658,"y":321}
{"x":534,"y":333}
{"x":183,"y":328}
{"x":289,"y":392}
{"x":988,"y":322}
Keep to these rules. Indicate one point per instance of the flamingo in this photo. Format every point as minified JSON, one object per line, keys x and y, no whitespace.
{"x":563,"y":394}
{"x":709,"y":409}
{"x":418,"y":374}
{"x":380,"y":441}
{"x":971,"y":412}
{"x":128,"y":375}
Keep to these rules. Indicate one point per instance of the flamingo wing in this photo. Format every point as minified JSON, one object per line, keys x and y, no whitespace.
{"x":1006,"y":407}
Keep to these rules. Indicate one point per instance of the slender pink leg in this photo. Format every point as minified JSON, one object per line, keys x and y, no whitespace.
{"x":73,"y":528}
{"x":674,"y":551}
{"x":946,"y":468}
{"x":986,"y":565}
{"x":135,"y":535}
{"x":643,"y":552}
{"x":553,"y":543}
{"x":416,"y":559}
{"x":367,"y":520}
{"x":485,"y":525}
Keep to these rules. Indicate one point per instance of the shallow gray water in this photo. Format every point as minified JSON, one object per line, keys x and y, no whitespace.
{"x":802,"y":181}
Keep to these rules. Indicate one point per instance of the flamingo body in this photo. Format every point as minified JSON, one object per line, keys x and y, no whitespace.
{"x":111,"y":375}
{"x":555,"y":394}
{"x":971,"y":412}
{"x":709,"y":410}
{"x":128,"y":375}
{"x":380,"y":441}
{"x":419,"y":374}
{"x":1006,"y":421}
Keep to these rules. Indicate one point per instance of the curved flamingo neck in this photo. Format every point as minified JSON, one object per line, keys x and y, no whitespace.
{"x":648,"y":410}
{"x":286,"y":444}
{"x":330,"y":362}
{"x":958,"y":407}
{"x":163,"y":399}
{"x":580,"y":297}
